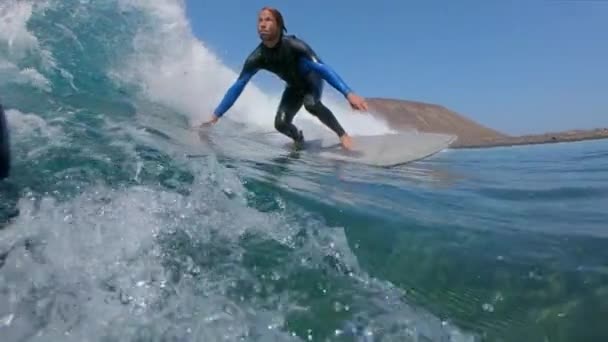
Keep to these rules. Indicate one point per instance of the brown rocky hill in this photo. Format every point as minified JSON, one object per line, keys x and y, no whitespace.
{"x":425,"y":117}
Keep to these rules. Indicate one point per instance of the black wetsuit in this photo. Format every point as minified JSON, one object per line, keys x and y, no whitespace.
{"x":303,"y":71}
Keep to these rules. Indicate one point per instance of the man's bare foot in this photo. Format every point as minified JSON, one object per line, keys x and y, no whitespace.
{"x":346,"y":141}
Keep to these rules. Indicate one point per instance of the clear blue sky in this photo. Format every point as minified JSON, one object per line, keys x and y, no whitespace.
{"x":517,"y":66}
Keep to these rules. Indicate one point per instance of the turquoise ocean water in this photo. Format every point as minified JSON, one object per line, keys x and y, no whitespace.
{"x":118,"y":224}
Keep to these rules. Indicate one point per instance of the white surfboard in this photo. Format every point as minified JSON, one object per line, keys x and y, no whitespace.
{"x":381,"y":150}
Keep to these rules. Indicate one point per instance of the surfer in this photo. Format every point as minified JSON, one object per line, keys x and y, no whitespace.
{"x":299,"y":66}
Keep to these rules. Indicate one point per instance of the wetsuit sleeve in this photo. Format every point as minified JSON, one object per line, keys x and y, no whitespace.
{"x":249,"y":69}
{"x":327,"y":73}
{"x":310,"y":61}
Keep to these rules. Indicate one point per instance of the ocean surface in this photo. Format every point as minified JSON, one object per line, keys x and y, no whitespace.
{"x":120,"y":224}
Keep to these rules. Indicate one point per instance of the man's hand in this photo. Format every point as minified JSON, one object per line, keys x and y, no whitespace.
{"x":210,"y":122}
{"x":356,"y":102}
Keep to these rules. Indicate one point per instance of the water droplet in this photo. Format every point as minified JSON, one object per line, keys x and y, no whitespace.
{"x":229,"y":192}
{"x":124,"y":298}
{"x":6,"y":320}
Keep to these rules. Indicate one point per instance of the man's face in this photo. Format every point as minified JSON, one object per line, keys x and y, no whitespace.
{"x":267,"y":26}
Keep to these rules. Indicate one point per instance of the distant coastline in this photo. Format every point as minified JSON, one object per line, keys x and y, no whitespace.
{"x":425,"y":117}
{"x":547,"y":138}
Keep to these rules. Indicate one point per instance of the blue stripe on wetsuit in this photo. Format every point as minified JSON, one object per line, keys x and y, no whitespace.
{"x":327,"y":73}
{"x":233,"y":93}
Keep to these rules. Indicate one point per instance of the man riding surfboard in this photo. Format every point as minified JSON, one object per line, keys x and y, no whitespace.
{"x":298,"y":65}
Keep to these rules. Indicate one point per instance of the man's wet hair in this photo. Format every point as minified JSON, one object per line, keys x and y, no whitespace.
{"x":278,"y":17}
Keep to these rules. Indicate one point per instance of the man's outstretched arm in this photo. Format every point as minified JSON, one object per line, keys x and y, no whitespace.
{"x":328,"y":74}
{"x":332,"y":77}
{"x":233,"y":93}
{"x":309,"y":61}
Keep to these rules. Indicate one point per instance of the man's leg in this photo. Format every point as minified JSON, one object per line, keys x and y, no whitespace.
{"x":326,"y":116}
{"x":291,"y":102}
{"x":313,"y":104}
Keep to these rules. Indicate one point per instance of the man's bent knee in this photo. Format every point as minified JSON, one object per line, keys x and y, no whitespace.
{"x":314,"y":108}
{"x":326,"y":116}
